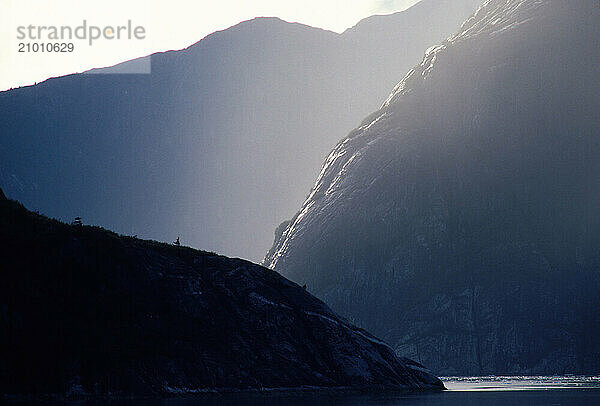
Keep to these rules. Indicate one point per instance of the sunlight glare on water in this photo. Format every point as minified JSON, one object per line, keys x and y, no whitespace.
{"x":520,"y":383}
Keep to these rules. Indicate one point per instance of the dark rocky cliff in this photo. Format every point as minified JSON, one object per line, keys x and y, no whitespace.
{"x":85,"y":311}
{"x":460,"y":222}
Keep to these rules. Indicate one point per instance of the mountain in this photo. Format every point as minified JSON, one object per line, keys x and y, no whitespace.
{"x":459,"y":222}
{"x":85,"y":311}
{"x":222,"y":140}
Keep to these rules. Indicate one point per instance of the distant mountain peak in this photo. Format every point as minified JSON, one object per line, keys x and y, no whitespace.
{"x":245,"y":113}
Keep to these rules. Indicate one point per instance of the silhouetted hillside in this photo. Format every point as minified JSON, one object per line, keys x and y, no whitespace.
{"x":84,"y":311}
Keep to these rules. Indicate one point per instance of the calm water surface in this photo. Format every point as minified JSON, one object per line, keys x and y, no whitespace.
{"x":492,"y":391}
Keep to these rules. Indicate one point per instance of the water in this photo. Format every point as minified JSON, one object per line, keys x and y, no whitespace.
{"x":475,"y":391}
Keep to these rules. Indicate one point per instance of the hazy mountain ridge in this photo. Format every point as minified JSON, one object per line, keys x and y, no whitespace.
{"x":464,"y":207}
{"x":222,"y":140}
{"x":93,"y":313}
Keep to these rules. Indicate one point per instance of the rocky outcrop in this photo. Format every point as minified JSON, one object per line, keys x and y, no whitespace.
{"x":459,"y":221}
{"x":84,"y":311}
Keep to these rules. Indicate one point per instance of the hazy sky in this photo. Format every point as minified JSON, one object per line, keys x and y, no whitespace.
{"x":167,"y":24}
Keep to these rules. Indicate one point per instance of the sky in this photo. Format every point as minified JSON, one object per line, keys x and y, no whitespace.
{"x":162,"y":25}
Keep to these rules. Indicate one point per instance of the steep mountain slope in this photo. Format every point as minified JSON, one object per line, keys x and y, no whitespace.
{"x":459,"y":222}
{"x":194,"y":149}
{"x":85,"y":311}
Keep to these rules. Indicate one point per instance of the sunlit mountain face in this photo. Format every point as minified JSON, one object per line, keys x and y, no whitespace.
{"x":459,"y":221}
{"x":222,"y":141}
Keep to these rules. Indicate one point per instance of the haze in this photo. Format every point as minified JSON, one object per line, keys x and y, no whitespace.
{"x":222,"y":141}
